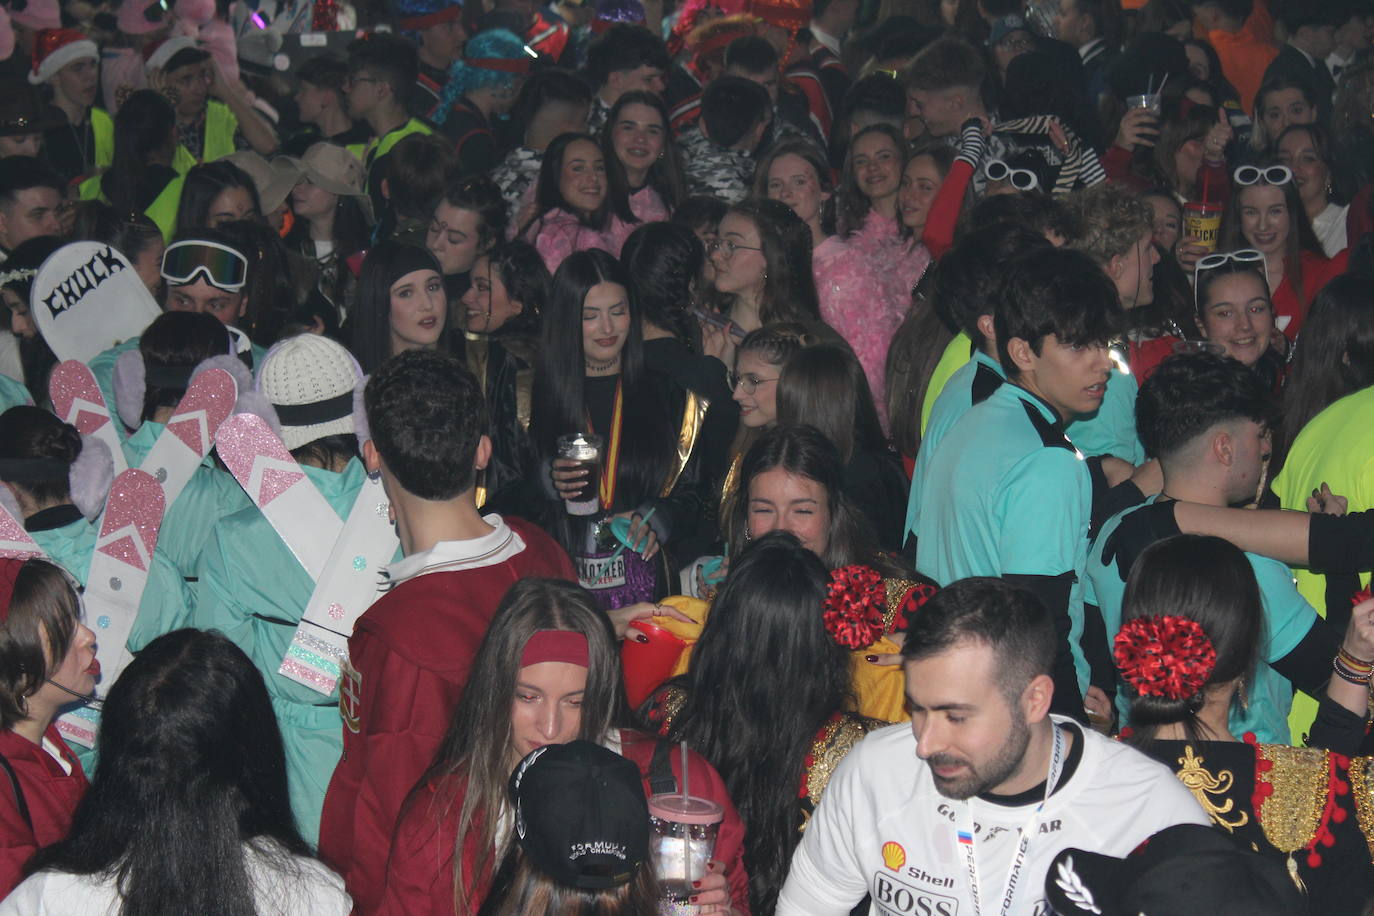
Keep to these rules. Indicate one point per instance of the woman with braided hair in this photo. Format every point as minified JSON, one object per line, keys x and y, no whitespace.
{"x":1192,"y":627}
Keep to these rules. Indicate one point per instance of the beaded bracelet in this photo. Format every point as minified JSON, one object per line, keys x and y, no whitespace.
{"x":1349,"y":668}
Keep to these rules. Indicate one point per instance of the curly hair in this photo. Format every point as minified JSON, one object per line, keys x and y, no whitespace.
{"x":1109,"y":221}
{"x":463,"y":77}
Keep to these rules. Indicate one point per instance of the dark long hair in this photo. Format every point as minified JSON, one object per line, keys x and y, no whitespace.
{"x":38,"y":630}
{"x":665,"y":175}
{"x":270,"y":290}
{"x":664,"y":261}
{"x":143,"y":126}
{"x":203,"y":184}
{"x":852,"y":204}
{"x":1208,"y":580}
{"x":1334,"y":357}
{"x":805,"y":452}
{"x":548,"y":197}
{"x":191,"y":768}
{"x":179,"y":341}
{"x":526,"y":280}
{"x":371,"y":318}
{"x":475,"y":756}
{"x":560,"y":406}
{"x":825,"y":386}
{"x":1300,"y":235}
{"x":532,"y":893}
{"x":789,"y":286}
{"x":748,"y":712}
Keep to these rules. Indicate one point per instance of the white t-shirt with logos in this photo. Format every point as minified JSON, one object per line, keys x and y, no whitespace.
{"x":883,"y":829}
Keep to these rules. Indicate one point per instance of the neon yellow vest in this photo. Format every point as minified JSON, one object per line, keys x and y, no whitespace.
{"x":102,"y":125}
{"x":220,"y":127}
{"x":378,"y":147}
{"x":163,"y":209}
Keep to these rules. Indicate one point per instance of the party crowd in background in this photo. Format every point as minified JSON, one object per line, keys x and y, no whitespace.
{"x":896,"y":457}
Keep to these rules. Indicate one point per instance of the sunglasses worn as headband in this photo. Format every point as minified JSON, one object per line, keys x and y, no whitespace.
{"x":221,"y":266}
{"x":1247,"y":175}
{"x":1245,"y":257}
{"x":1020,"y":179}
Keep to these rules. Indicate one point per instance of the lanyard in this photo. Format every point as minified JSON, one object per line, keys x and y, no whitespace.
{"x":610,"y":464}
{"x":964,"y":827}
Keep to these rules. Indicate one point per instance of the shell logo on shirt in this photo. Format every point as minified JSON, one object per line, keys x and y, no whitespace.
{"x":350,"y":697}
{"x":894,"y":856}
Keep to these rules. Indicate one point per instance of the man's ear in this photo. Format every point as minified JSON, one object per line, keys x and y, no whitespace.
{"x":988,"y":328}
{"x":1224,"y":447}
{"x":483,"y":456}
{"x":1117,"y":265}
{"x":1022,"y":356}
{"x":386,"y":189}
{"x":1035,"y":699}
{"x":243,"y":305}
{"x":372,"y":459}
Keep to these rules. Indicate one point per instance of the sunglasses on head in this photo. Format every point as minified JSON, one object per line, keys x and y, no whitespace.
{"x":1247,"y":175}
{"x":1245,"y":257}
{"x":221,"y":266}
{"x":1020,"y":179}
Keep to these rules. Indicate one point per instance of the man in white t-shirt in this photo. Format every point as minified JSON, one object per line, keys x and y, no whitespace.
{"x":950,"y":817}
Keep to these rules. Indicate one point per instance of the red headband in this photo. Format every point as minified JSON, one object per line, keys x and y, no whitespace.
{"x":555,"y":646}
{"x":9,"y":574}
{"x":507,"y":64}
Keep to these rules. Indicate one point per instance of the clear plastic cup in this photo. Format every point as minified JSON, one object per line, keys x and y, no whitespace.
{"x":585,"y":449}
{"x":683,"y":833}
{"x":1150,"y":101}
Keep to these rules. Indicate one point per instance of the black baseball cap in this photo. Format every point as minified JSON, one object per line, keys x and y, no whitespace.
{"x":1184,"y":870}
{"x":580,"y":814}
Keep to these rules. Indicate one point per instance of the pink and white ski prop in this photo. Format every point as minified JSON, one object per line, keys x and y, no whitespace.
{"x":190,"y":433}
{"x":76,"y":399}
{"x":274,"y":481}
{"x":351,"y":582}
{"x":115,"y":584}
{"x":15,"y":542}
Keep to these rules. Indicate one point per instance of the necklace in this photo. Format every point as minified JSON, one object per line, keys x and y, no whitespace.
{"x":601,"y":367}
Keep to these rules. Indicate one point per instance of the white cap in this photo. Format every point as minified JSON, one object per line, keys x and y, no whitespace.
{"x":310,"y":381}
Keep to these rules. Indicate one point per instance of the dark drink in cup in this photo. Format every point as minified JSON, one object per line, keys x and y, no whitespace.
{"x":585,"y":450}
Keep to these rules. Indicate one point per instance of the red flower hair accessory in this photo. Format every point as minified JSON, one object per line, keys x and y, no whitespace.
{"x":855,"y":605}
{"x":1168,"y":656}
{"x":1362,"y":597}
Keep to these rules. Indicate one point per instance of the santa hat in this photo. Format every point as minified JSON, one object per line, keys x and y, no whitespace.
{"x":156,"y":55}
{"x":140,"y":17}
{"x":53,"y":49}
{"x":37,"y":14}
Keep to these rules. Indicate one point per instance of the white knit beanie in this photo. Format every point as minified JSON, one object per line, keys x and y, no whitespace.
{"x":310,"y":381}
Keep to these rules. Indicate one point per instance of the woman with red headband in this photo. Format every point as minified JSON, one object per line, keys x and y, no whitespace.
{"x":547,"y":672}
{"x":47,"y":657}
{"x":1189,"y":642}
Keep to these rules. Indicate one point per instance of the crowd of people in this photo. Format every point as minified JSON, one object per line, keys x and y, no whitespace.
{"x":471,"y":457}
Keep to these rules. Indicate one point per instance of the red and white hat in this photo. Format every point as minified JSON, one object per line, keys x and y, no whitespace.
{"x":53,"y":49}
{"x":155,"y":56}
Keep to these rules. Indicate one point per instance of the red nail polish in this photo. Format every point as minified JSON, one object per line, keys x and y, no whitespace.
{"x":692,"y":899}
{"x":696,"y":885}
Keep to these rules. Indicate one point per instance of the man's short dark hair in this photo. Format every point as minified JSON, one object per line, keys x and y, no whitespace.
{"x":426,"y":414}
{"x":1235,"y":9}
{"x":878,"y":93}
{"x":419,"y":168}
{"x":947,"y":63}
{"x":185,"y":58}
{"x":732,"y":106}
{"x":328,"y":71}
{"x":1191,"y":393}
{"x":20,"y":173}
{"x":966,"y":277}
{"x":625,"y":47}
{"x":1298,"y":14}
{"x":752,"y":54}
{"x":1011,"y":621}
{"x":386,"y":57}
{"x":1034,"y":210}
{"x":1059,"y":292}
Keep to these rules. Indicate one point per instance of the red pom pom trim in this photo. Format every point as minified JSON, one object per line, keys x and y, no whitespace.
{"x":854,"y":606}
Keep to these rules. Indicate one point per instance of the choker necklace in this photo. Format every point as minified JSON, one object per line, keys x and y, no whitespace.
{"x":601,"y":367}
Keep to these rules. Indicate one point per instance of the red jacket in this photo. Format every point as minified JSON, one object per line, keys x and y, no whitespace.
{"x":419,"y":874}
{"x":50,"y":794}
{"x":412,"y":651}
{"x":1317,"y":271}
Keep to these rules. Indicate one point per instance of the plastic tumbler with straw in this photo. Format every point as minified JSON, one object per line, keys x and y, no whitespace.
{"x":684,"y":838}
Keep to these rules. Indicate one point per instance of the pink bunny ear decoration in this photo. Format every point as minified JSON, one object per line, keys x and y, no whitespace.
{"x":6,"y":34}
{"x":90,"y":477}
{"x":360,"y":427}
{"x":195,"y":12}
{"x":217,"y":37}
{"x":38,"y":15}
{"x":130,"y":387}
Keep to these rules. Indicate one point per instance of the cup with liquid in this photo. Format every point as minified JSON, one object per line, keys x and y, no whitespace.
{"x":585,"y":450}
{"x":682,"y":829}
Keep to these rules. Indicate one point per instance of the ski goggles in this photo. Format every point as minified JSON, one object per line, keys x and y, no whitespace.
{"x":1245,"y":257}
{"x":219,"y":265}
{"x":1020,"y":179}
{"x":1247,"y":175}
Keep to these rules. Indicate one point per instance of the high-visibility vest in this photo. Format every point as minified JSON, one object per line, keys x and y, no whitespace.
{"x":102,"y":126}
{"x":220,"y":127}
